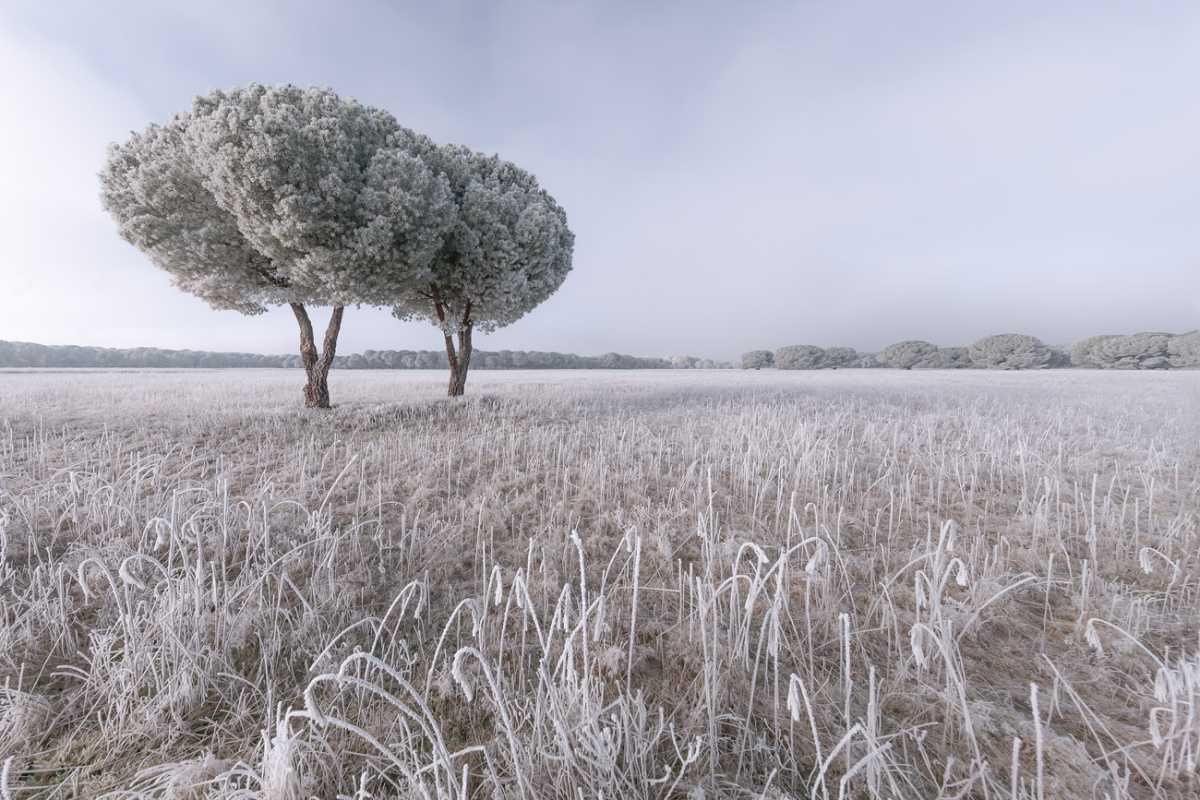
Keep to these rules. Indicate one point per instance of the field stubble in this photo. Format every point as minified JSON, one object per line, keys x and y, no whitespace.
{"x":585,"y":585}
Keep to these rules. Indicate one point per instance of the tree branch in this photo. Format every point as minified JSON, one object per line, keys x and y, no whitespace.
{"x":329,"y":345}
{"x":308,"y":347}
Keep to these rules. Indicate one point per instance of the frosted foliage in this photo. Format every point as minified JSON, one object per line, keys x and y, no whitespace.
{"x":1086,"y":352}
{"x":910,"y":354}
{"x":868,"y":361}
{"x":1184,"y":350}
{"x":758,"y":359}
{"x":332,"y":188}
{"x":594,"y":585}
{"x":799,"y":356}
{"x":508,"y":249}
{"x":950,"y":358}
{"x":266,"y":195}
{"x":840,"y":356}
{"x":1138,"y":351}
{"x":1011,"y":351}
{"x":152,"y":187}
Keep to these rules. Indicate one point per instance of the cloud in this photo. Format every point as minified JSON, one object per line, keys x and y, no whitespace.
{"x":852,"y":174}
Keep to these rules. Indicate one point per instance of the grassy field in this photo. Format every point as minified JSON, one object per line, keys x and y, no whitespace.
{"x":577,"y":585}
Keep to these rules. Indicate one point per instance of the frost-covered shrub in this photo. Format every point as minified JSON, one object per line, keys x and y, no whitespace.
{"x":799,"y":356}
{"x":910,"y":354}
{"x":1184,"y":350}
{"x":758,"y":359}
{"x":1011,"y":351}
{"x":840,"y":357}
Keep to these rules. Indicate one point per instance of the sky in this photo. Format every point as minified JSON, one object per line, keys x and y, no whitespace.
{"x":737,"y":175}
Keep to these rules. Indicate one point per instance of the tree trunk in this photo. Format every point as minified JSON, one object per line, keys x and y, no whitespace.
{"x":317,"y":365}
{"x":458,"y":378}
{"x":459,"y":359}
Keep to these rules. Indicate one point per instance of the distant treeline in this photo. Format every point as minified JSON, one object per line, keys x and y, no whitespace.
{"x":1002,"y":351}
{"x":28,"y":354}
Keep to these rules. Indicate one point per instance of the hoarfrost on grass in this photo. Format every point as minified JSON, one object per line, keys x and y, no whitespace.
{"x":663,"y":584}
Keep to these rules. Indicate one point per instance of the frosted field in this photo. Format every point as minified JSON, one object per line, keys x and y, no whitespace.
{"x":585,"y":584}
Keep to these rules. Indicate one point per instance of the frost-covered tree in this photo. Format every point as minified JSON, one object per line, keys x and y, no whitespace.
{"x":612,"y":361}
{"x":1060,"y":355}
{"x":799,"y":356}
{"x":758,"y":359}
{"x":273,"y":195}
{"x":867,"y":361}
{"x":1011,"y":351}
{"x":1086,"y":352}
{"x":1146,"y":350}
{"x":836,"y":357}
{"x":949,"y":358}
{"x":508,"y":249}
{"x":910,"y":354}
{"x":1184,"y":350}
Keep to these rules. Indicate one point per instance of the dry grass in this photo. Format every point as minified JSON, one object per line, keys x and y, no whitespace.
{"x":838,"y":584}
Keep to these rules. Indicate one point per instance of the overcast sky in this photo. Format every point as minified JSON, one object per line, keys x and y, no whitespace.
{"x":737,"y":175}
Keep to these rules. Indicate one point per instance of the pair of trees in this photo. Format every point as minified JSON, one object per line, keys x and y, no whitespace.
{"x":278,"y":195}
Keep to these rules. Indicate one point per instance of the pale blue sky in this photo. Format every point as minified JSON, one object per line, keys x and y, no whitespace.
{"x":737,"y":174}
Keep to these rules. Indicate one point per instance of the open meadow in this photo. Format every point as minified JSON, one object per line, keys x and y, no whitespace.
{"x":577,"y":585}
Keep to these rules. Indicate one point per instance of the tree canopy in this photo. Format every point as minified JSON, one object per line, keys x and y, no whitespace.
{"x":508,"y":249}
{"x":1011,"y":351}
{"x":758,"y":359}
{"x":909,"y":354}
{"x":276,"y":194}
{"x":799,"y":356}
{"x":1146,"y":350}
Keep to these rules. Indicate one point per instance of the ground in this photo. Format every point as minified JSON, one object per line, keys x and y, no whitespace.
{"x":860,"y":583}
